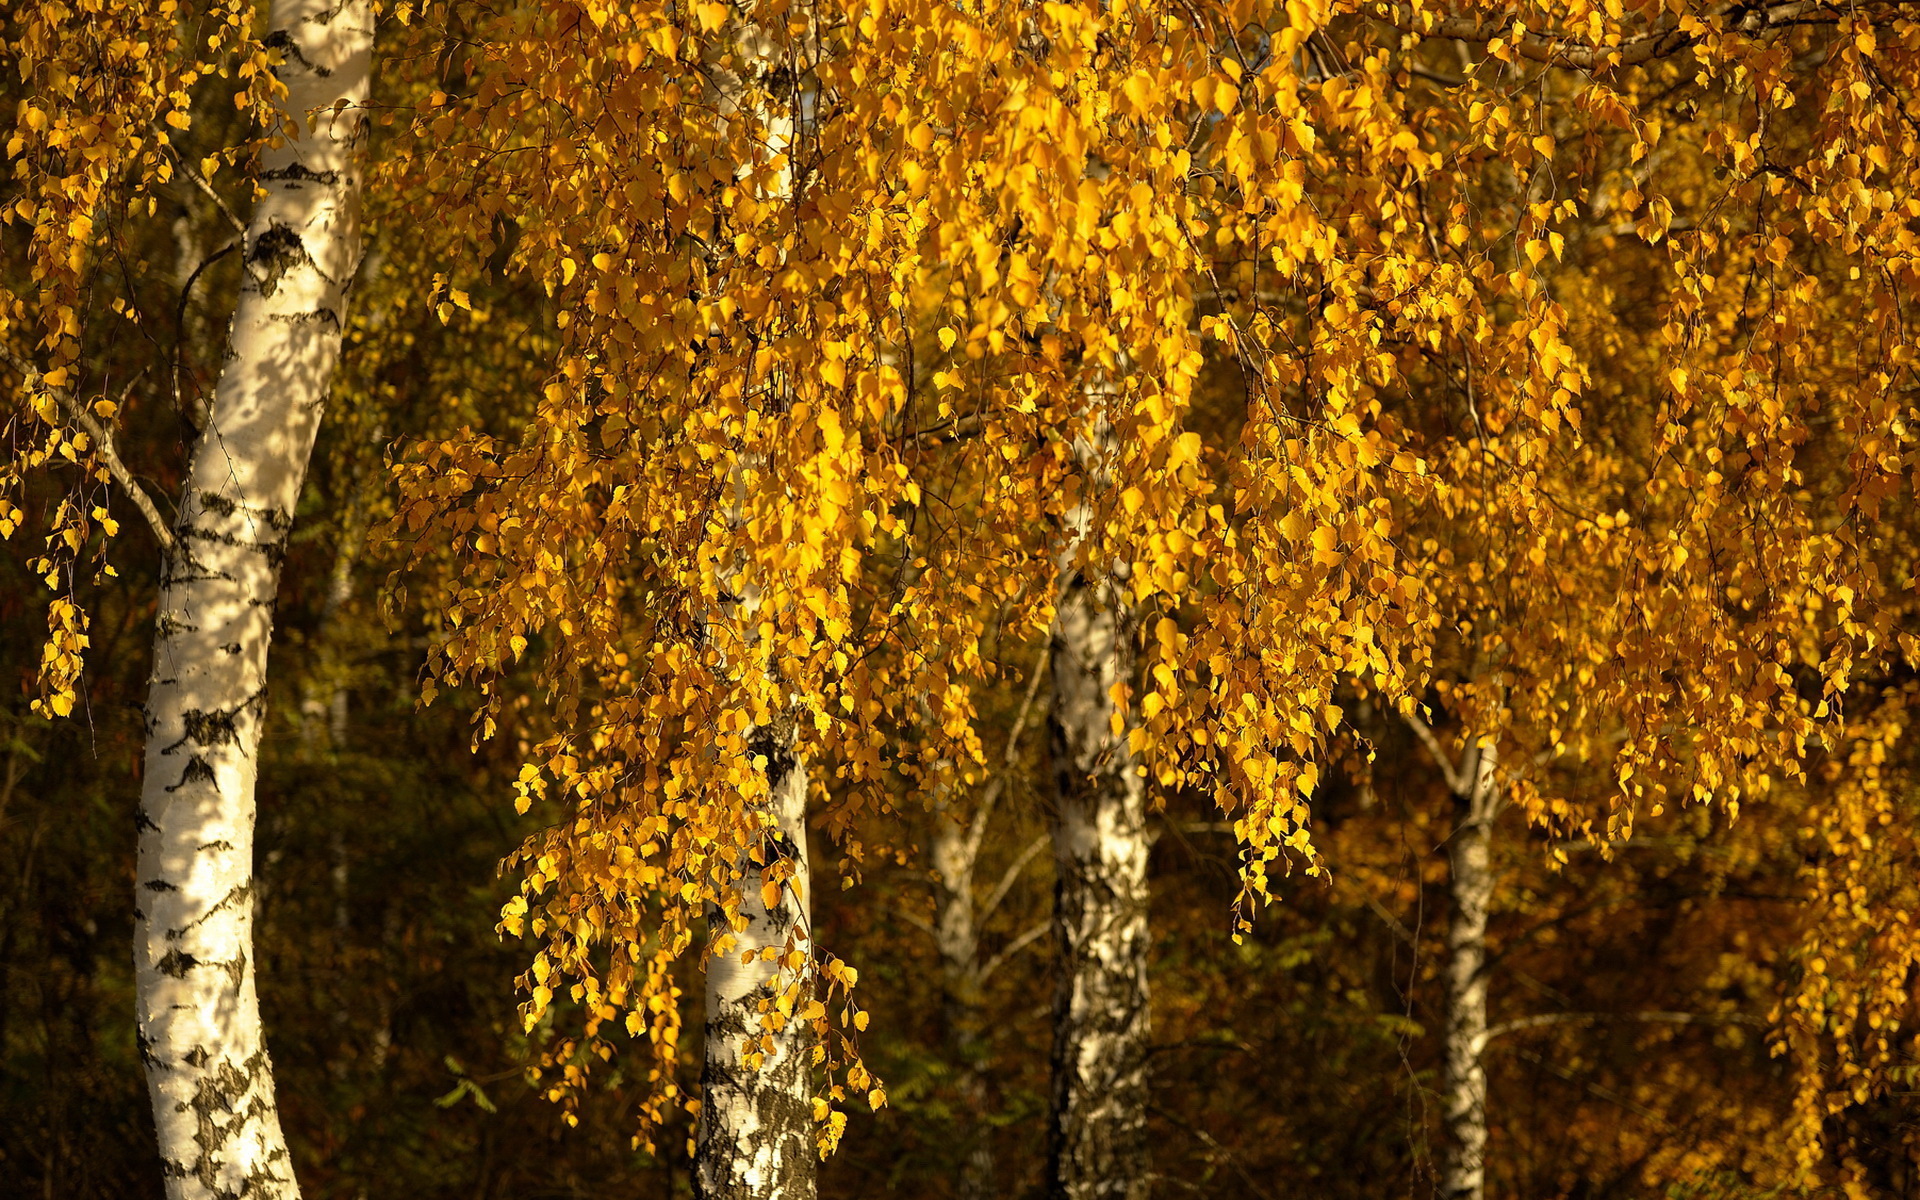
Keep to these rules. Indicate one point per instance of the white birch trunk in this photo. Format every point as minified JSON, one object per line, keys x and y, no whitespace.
{"x":756,"y":1121}
{"x":755,"y":1139}
{"x":957,"y":935}
{"x":199,"y":1017}
{"x":1470,"y":883}
{"x":1097,"y":1137}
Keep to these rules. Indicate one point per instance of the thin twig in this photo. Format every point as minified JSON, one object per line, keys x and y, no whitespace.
{"x":1587,"y":1018}
{"x":1005,"y":885}
{"x":200,"y":181}
{"x":1456,"y":783}
{"x":102,"y":440}
{"x":977,"y":831}
{"x":1220,"y":1153}
{"x":1027,"y":937}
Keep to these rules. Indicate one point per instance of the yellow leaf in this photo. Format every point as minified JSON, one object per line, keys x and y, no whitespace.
{"x":1326,"y":546}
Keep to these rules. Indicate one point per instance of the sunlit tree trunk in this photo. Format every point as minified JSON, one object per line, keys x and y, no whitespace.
{"x":755,"y":1139}
{"x":756,"y":1120}
{"x":1096,"y":1144}
{"x":199,"y":1017}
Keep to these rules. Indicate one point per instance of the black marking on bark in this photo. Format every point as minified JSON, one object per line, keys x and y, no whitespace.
{"x":302,"y":173}
{"x":198,"y":771}
{"x":214,"y":502}
{"x":276,"y":252}
{"x":210,"y":728}
{"x":283,"y":40}
{"x":170,"y":625}
{"x":142,"y":823}
{"x":159,"y":885}
{"x":219,"y":1094}
{"x":192,"y":571}
{"x":324,"y":316}
{"x":235,"y":895}
{"x":215,"y":727}
{"x":768,"y":741}
{"x":230,"y":648}
{"x":151,"y":1060}
{"x":176,"y":963}
{"x":196,"y":1057}
{"x":221,"y":844}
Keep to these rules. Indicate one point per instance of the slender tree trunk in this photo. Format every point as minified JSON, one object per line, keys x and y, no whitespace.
{"x":1470,"y":894}
{"x":957,"y":935}
{"x":755,"y":1140}
{"x":756,"y":1119}
{"x":1097,"y":1136}
{"x":199,"y":1015}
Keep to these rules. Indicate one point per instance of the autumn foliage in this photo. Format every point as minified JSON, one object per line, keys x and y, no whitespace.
{"x":734,"y":382}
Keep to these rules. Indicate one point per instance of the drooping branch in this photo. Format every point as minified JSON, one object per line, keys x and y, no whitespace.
{"x":102,"y":440}
{"x":1579,"y":55}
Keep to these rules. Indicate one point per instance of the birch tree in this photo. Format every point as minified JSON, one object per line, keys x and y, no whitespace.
{"x":1470,"y":889}
{"x":961,"y":914}
{"x":208,"y":1070}
{"x":1097,"y":1133}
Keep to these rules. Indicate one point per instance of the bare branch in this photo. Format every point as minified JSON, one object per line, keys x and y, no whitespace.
{"x":1006,"y":883}
{"x":1540,"y":1020}
{"x":917,"y":921}
{"x":977,"y":831}
{"x":1578,"y":55}
{"x":1028,"y":936}
{"x":1220,"y":1152}
{"x":200,"y":181}
{"x":102,"y":440}
{"x":1456,"y":781}
{"x":1392,"y":922}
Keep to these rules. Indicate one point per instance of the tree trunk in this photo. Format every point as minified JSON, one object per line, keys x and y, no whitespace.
{"x":1097,"y":1137}
{"x":199,"y":1015}
{"x":755,"y":1140}
{"x":1470,"y":894}
{"x":957,"y":935}
{"x":756,"y":1120}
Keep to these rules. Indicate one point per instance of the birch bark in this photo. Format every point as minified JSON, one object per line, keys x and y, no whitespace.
{"x":1097,"y":1143}
{"x":756,"y":1121}
{"x":208,"y":1072}
{"x":755,"y":1139}
{"x":1470,"y":882}
{"x":957,"y":936}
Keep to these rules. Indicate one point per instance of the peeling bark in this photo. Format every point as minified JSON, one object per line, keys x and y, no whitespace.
{"x":208,"y":1073}
{"x":1097,"y":1136}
